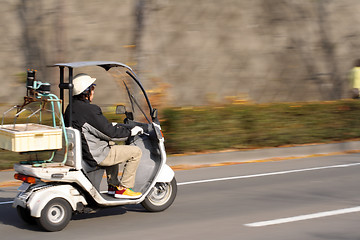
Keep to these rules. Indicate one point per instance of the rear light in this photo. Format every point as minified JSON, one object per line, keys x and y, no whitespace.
{"x":25,"y":178}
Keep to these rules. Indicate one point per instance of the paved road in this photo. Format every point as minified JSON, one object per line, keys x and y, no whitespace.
{"x":268,"y":200}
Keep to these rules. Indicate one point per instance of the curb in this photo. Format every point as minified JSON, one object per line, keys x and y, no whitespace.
{"x":266,"y":153}
{"x":234,"y":157}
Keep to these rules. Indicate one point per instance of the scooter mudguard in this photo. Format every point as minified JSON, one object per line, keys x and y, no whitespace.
{"x":166,"y":174}
{"x":40,"y":198}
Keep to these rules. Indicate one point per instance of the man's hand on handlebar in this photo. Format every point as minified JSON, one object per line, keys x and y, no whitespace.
{"x":136,"y":131}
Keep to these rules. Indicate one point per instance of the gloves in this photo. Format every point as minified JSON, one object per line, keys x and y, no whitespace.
{"x":136,"y":130}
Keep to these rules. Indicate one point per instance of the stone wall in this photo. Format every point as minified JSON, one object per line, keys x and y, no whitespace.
{"x":188,"y":52}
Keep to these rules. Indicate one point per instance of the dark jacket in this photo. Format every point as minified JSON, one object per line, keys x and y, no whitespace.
{"x":96,"y":131}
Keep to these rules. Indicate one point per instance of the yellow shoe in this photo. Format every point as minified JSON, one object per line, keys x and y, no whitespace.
{"x":122,"y":192}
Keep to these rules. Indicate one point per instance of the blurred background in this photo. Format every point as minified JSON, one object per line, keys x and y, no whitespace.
{"x":188,"y":52}
{"x":199,"y":62}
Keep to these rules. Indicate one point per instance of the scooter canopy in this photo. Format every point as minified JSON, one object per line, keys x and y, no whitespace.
{"x":104,"y":64}
{"x":107,"y":65}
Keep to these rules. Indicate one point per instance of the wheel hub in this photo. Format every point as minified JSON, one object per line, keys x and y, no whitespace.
{"x":56,"y":213}
{"x":160,"y":193}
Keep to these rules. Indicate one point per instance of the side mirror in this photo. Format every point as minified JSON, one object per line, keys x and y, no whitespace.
{"x":120,"y":109}
{"x":154,"y":113}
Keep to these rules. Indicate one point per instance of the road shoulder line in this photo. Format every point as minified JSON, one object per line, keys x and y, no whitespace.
{"x":303,"y":217}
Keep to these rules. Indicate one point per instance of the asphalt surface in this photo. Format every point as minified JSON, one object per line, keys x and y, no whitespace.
{"x":227,"y":202}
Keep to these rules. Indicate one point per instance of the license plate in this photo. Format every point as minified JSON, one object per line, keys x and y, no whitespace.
{"x":23,"y":187}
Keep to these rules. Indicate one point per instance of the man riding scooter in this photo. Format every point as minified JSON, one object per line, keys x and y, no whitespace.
{"x":96,"y":133}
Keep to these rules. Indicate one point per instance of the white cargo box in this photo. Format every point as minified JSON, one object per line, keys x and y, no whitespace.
{"x":30,"y":137}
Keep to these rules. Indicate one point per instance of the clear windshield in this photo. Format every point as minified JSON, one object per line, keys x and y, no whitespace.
{"x":130,"y":94}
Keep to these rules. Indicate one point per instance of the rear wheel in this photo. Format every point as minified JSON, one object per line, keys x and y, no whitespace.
{"x":55,"y":215}
{"x":161,"y":196}
{"x":24,"y":214}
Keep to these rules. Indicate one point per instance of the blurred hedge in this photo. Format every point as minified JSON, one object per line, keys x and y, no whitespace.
{"x":245,"y":126}
{"x":251,"y":126}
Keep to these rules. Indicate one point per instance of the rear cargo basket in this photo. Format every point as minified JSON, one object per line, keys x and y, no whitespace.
{"x":30,"y":137}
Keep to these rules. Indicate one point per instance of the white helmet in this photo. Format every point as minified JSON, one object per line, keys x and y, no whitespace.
{"x":81,"y":82}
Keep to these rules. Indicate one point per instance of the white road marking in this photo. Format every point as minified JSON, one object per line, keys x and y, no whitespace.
{"x":303,"y":217}
{"x":268,"y":174}
{"x":255,"y":175}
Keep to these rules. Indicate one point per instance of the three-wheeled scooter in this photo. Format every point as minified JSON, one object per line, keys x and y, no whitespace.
{"x":55,"y":188}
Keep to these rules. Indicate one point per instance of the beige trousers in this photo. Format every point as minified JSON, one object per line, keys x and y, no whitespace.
{"x":130,"y":155}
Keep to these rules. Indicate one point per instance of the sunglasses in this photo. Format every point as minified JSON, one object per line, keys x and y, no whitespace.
{"x":91,"y":87}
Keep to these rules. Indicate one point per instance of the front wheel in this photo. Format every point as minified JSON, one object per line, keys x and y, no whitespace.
{"x":55,"y":215}
{"x":161,"y":196}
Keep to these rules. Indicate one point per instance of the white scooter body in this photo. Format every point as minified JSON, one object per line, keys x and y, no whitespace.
{"x":64,"y":179}
{"x":79,"y":185}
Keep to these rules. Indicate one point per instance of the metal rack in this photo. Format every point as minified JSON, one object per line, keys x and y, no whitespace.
{"x":40,"y":93}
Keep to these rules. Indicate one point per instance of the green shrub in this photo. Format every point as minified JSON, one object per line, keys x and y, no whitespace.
{"x":251,"y":126}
